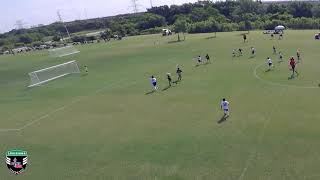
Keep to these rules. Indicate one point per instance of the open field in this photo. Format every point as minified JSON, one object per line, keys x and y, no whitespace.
{"x":104,"y":126}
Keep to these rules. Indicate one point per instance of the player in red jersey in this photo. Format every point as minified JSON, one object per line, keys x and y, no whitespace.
{"x":293,"y":66}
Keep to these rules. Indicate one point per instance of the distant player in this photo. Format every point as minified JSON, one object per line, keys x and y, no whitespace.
{"x":269,"y":62}
{"x":240,"y":51}
{"x":154,"y":83}
{"x":280,"y":57}
{"x":244,"y":38}
{"x":225,"y":107}
{"x":274,"y":50}
{"x":298,"y":56}
{"x":199,"y":59}
{"x":86,"y":69}
{"x":179,"y":73}
{"x":253,"y":51}
{"x":293,"y":66}
{"x":169,"y":79}
{"x":208,"y":58}
{"x":272,"y":35}
{"x":233,"y":53}
{"x":281,"y":36}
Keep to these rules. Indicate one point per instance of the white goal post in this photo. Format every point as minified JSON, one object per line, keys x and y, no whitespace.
{"x":63,"y":51}
{"x":51,"y":73}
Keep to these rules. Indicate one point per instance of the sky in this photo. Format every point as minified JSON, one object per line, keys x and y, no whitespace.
{"x":34,"y":12}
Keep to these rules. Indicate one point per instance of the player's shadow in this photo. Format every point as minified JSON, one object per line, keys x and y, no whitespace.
{"x":268,"y":70}
{"x":211,"y":37}
{"x":151,"y":92}
{"x":175,"y":41}
{"x":166,"y":88}
{"x":291,"y":77}
{"x":223,"y":119}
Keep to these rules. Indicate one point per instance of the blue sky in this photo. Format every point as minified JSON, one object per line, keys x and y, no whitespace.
{"x":33,"y":12}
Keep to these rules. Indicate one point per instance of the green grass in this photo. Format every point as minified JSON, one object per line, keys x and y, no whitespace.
{"x":103,"y":126}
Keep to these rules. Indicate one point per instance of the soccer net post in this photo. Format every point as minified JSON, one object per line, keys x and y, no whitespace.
{"x":63,"y":51}
{"x":51,"y":73}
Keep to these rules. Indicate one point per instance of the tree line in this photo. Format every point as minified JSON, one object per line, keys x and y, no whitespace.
{"x":199,"y":17}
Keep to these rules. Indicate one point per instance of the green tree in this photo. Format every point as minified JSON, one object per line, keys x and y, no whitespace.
{"x":56,"y":38}
{"x":180,"y":26}
{"x":26,"y":39}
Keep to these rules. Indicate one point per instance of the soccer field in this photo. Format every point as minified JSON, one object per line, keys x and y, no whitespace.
{"x":104,"y":125}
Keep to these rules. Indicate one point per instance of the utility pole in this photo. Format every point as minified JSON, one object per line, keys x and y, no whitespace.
{"x":151,"y":4}
{"x":135,"y":6}
{"x":60,"y":19}
{"x":19,"y":24}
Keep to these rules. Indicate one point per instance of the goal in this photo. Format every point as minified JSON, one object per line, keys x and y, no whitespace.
{"x":63,"y":51}
{"x":51,"y":73}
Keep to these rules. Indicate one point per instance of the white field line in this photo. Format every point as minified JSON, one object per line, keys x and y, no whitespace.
{"x":255,"y":151}
{"x":278,"y":84}
{"x":107,"y":86}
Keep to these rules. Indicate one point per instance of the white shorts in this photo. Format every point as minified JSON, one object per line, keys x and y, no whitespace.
{"x":226,"y":111}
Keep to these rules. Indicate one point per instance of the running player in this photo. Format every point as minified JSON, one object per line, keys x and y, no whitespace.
{"x":225,"y":107}
{"x":293,"y":66}
{"x":154,"y":83}
{"x":179,"y":73}
{"x":169,"y":79}
{"x":298,"y":56}
{"x":274,"y":50}
{"x":86,"y":69}
{"x":253,"y":51}
{"x":233,"y":53}
{"x":208,"y":58}
{"x":244,"y":38}
{"x":269,"y":62}
{"x":281,"y":35}
{"x":240,"y":52}
{"x":280,"y":57}
{"x":199,"y":58}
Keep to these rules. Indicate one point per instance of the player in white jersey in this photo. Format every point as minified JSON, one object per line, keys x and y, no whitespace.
{"x":154,"y":83}
{"x":269,"y":62}
{"x":199,"y":59}
{"x":253,"y":51}
{"x":86,"y":69}
{"x":225,"y":107}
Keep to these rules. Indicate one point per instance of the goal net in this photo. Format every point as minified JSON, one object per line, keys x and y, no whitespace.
{"x":51,"y":73}
{"x":63,"y":51}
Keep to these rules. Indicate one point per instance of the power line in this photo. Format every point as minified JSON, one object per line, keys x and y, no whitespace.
{"x":60,"y":19}
{"x":135,"y":6}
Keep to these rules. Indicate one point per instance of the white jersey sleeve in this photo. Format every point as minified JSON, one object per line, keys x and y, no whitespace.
{"x":225,"y":105}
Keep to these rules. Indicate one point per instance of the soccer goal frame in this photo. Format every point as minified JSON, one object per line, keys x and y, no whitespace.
{"x":36,"y":81}
{"x":55,"y":52}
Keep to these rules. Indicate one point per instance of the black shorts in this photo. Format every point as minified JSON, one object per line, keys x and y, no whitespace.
{"x":270,"y":64}
{"x":154,"y":83}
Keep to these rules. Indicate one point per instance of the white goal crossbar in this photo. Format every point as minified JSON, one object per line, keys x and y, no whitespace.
{"x":63,"y":51}
{"x":51,"y":73}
